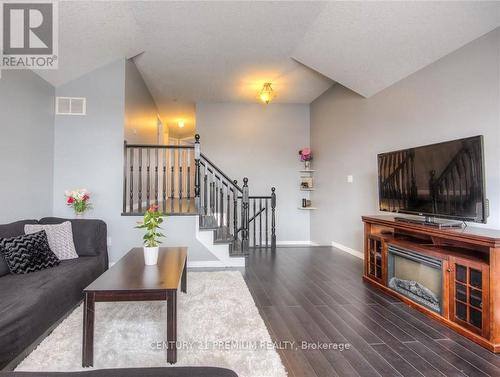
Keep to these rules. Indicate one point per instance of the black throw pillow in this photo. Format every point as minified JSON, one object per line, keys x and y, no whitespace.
{"x":28,"y":253}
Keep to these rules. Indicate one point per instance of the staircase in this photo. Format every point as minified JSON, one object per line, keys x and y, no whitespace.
{"x":182,"y":181}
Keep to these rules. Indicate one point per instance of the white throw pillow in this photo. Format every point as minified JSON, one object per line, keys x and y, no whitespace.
{"x":60,"y":237}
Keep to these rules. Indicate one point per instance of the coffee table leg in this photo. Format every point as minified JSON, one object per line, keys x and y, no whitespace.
{"x":172,"y":327}
{"x":88,"y":330}
{"x":184,"y":278}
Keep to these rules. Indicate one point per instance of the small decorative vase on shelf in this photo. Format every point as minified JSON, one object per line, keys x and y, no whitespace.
{"x":151,"y":255}
{"x":306,"y":157}
{"x":79,"y":215}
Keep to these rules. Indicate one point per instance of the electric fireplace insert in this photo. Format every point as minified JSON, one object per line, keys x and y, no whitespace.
{"x":416,"y":276}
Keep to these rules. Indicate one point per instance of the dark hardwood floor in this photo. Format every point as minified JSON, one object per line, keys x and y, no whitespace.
{"x":316,"y":295}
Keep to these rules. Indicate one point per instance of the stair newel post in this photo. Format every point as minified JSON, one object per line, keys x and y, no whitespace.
{"x":235,"y":210}
{"x":273,"y":218}
{"x":197,"y":155}
{"x":245,"y":215}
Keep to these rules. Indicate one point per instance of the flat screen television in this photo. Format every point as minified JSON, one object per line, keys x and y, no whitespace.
{"x":444,"y":180}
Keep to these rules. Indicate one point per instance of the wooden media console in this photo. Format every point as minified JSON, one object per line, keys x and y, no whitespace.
{"x":451,"y":275}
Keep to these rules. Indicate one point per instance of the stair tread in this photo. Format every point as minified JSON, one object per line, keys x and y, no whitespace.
{"x":223,"y":235}
{"x":208,"y":222}
{"x":236,"y":249}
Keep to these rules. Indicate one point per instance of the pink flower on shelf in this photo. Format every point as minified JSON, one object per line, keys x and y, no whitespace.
{"x":305,"y":154}
{"x":70,"y":200}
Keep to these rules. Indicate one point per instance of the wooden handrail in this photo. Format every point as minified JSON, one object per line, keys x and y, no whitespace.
{"x":159,"y":146}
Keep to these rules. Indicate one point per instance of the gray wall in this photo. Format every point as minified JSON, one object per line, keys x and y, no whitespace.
{"x":26,"y":145}
{"x":89,"y":154}
{"x":141,"y":113}
{"x":457,"y":96}
{"x":262,"y":143}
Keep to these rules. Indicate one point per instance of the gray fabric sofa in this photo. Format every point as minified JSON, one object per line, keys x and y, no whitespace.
{"x":133,"y":372}
{"x":30,"y":304}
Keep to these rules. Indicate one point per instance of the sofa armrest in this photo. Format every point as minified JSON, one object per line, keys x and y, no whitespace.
{"x":90,"y":237}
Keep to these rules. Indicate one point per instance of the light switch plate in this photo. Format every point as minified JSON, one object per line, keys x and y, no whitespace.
{"x":350,"y":179}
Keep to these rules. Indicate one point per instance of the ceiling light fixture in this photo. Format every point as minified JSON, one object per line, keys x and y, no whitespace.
{"x":181,"y":124}
{"x":266,"y":94}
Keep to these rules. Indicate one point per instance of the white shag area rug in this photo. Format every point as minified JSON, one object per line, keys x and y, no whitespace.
{"x":218,"y":325}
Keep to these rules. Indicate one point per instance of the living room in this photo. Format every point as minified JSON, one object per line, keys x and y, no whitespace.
{"x":236,"y":197}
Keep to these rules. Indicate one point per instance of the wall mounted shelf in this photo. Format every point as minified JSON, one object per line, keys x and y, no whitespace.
{"x":307,"y":208}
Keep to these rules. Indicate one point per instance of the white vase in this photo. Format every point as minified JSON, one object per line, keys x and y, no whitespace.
{"x":79,"y":215}
{"x":151,"y":255}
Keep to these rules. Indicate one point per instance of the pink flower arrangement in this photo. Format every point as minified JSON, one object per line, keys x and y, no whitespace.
{"x":305,"y":154}
{"x":79,"y":200}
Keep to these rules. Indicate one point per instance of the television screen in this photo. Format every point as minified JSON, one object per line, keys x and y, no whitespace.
{"x":439,"y":180}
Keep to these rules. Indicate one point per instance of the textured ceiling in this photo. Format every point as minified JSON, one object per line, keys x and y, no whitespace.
{"x":225,"y":51}
{"x":370,"y":46}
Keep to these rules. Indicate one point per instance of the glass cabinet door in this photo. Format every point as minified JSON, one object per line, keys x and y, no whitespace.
{"x":375,"y":254}
{"x":469,"y":294}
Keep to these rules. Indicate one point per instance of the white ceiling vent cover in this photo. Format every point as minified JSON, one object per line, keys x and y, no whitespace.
{"x":71,"y":105}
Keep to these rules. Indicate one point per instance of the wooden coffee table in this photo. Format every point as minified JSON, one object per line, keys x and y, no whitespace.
{"x":130,"y":280}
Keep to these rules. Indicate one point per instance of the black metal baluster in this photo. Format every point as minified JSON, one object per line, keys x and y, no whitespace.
{"x":267,"y":220}
{"x":131,"y":201}
{"x":164,"y":191}
{"x":221,"y":204}
{"x":212,"y":196}
{"x":245,"y":216}
{"x":235,"y":211}
{"x":216,"y":198}
{"x":254,"y":222}
{"x":172,"y":179}
{"x":188,"y":184}
{"x":140,"y":181}
{"x":148,"y":178}
{"x":260,"y":222}
{"x":205,"y":193}
{"x":273,"y":218}
{"x":197,"y":194}
{"x":125,"y":170}
{"x":228,"y":208}
{"x":156,"y":176}
{"x":181,"y":162}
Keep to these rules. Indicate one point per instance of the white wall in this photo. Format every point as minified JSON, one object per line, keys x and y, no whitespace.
{"x":262,"y":143}
{"x":457,"y":96}
{"x":141,"y":113}
{"x":26,"y":146}
{"x":89,"y":154}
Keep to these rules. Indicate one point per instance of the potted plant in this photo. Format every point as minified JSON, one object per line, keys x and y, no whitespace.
{"x":151,"y":222}
{"x":306,"y":157}
{"x":79,"y":200}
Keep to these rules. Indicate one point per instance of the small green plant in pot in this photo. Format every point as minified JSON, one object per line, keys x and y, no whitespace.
{"x":152,"y":221}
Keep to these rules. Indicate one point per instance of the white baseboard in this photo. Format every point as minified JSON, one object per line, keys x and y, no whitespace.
{"x":348,"y":250}
{"x":296,"y":243}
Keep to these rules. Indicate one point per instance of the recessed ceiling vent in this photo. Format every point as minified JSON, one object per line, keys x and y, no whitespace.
{"x":71,"y":105}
